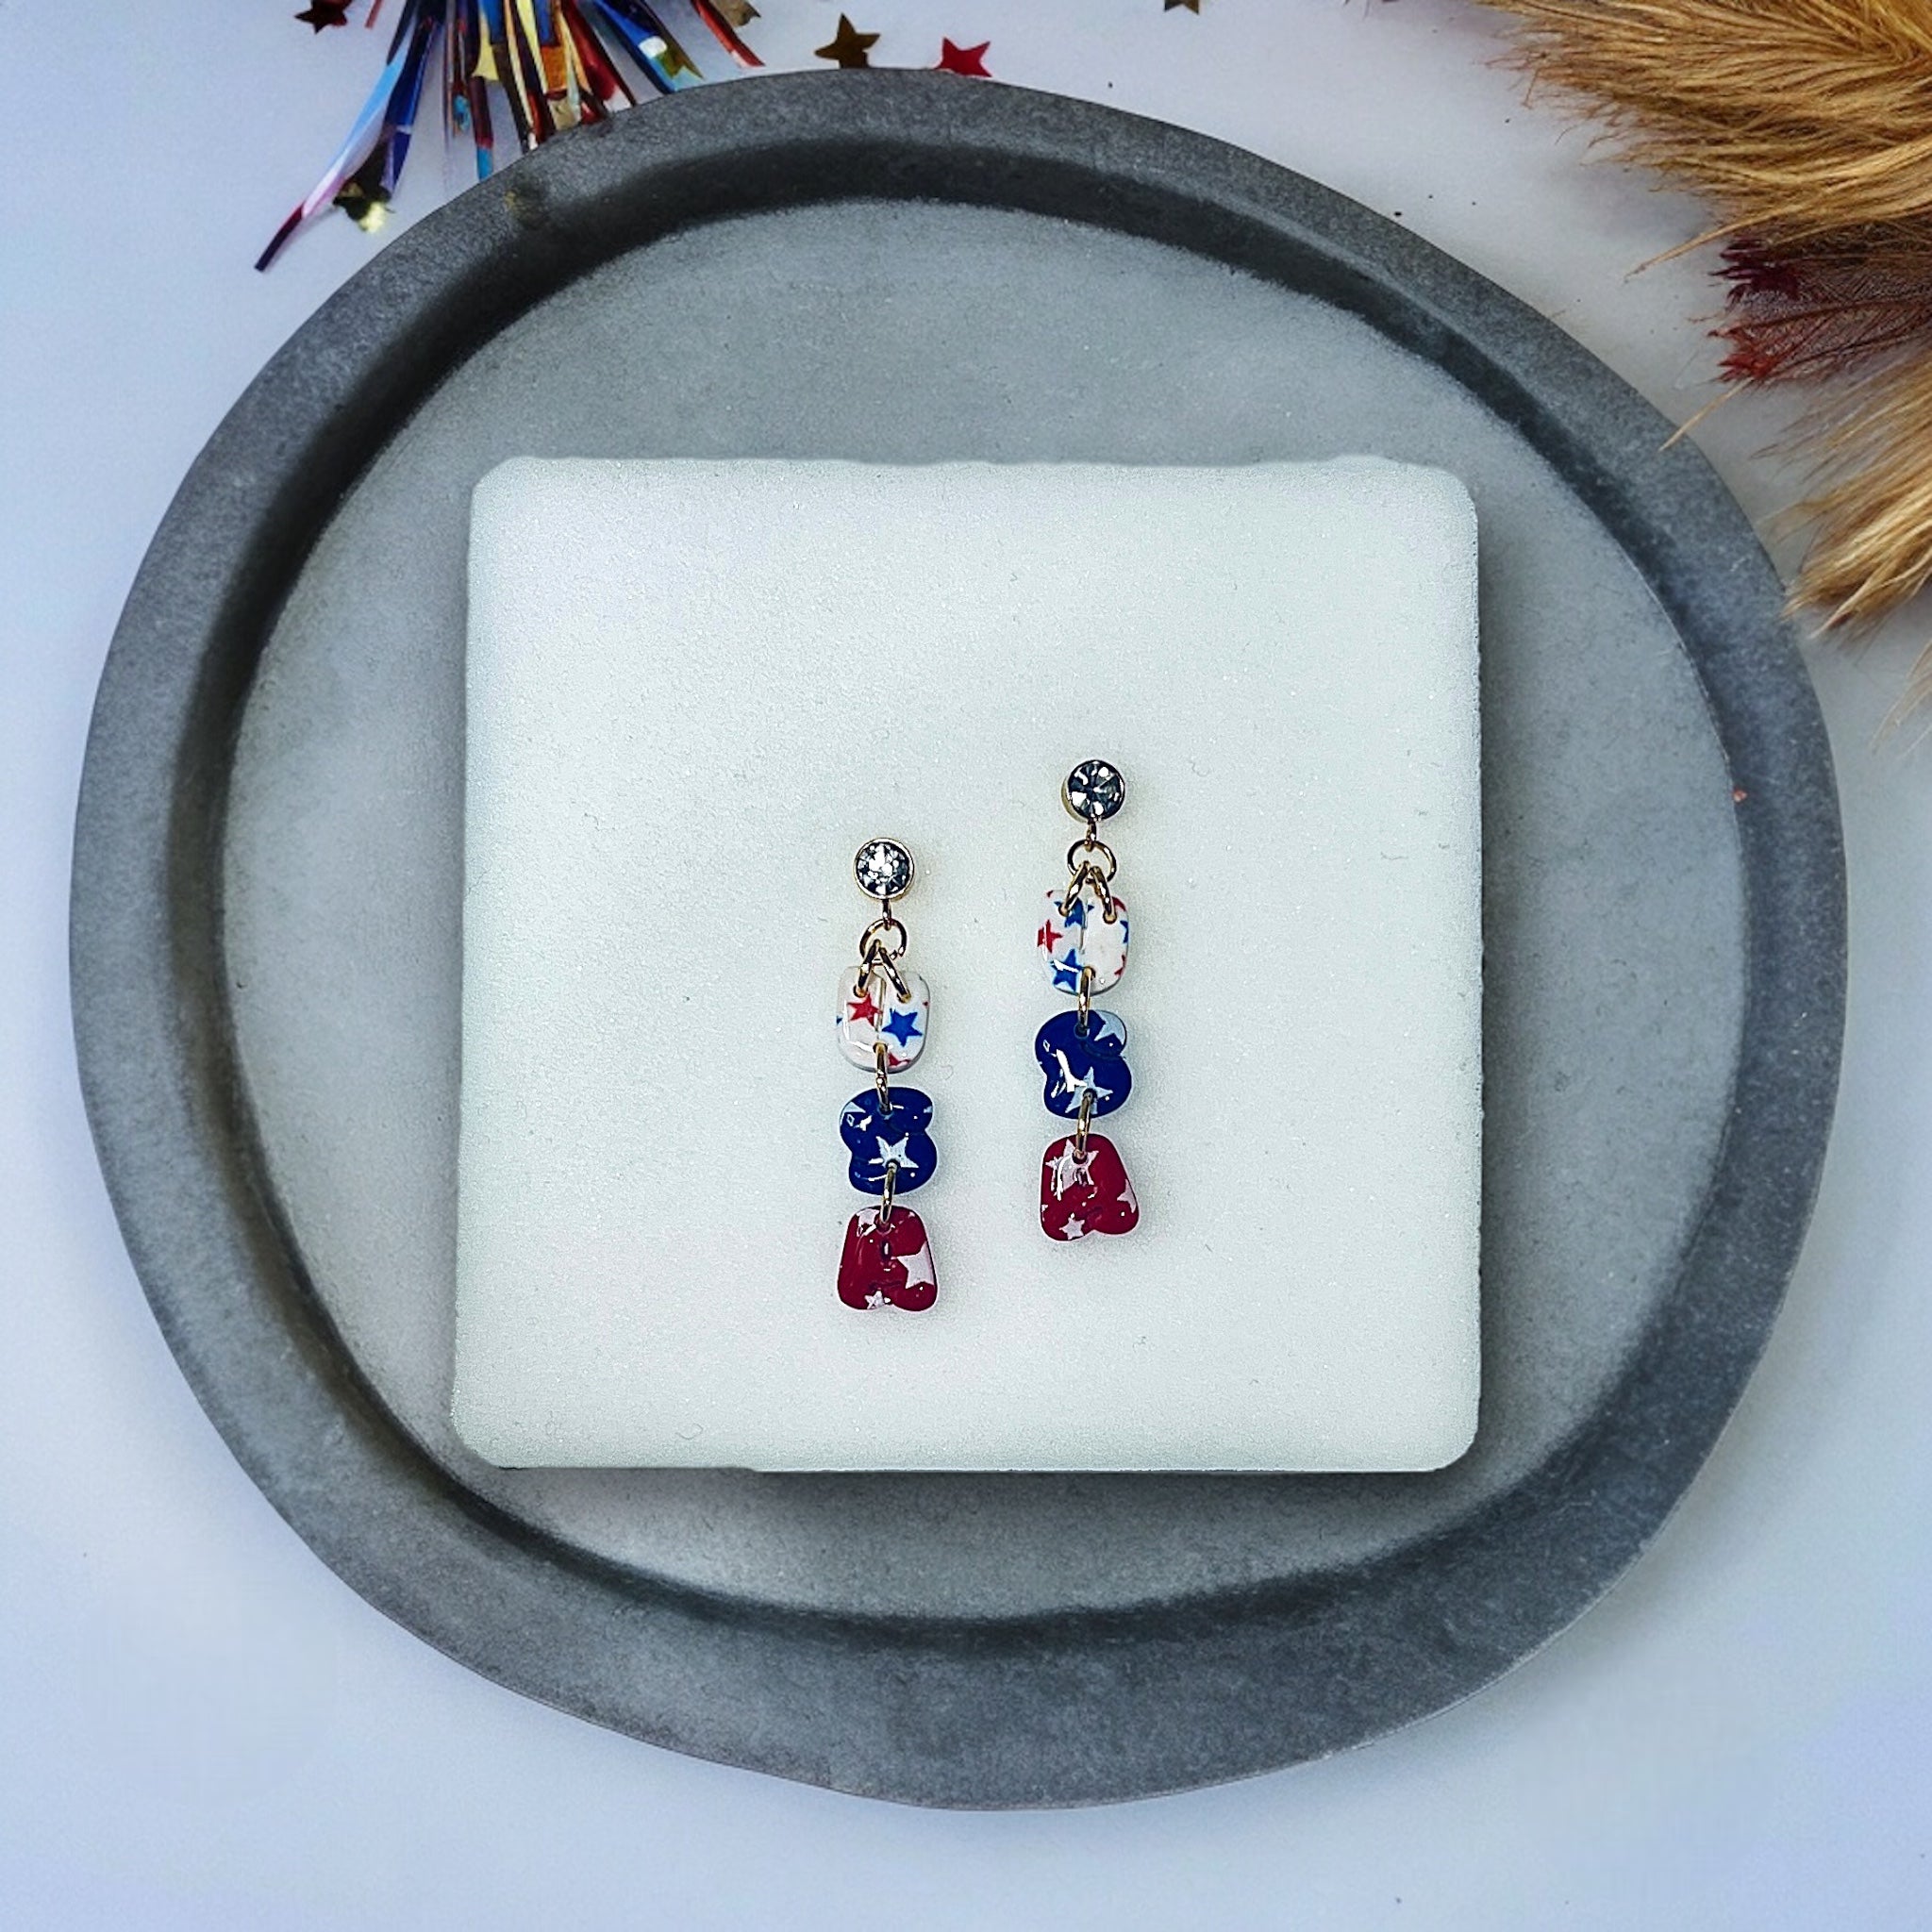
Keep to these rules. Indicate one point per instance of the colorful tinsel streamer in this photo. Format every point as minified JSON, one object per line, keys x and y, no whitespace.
{"x":538,"y":65}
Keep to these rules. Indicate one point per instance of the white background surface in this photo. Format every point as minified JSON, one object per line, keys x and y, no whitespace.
{"x":643,"y":955}
{"x":203,"y":1728}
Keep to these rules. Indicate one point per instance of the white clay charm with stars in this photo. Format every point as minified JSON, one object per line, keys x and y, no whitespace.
{"x":1075,"y":933}
{"x":872,"y":1009}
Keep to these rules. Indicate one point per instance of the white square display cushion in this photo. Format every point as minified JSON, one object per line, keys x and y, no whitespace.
{"x":694,"y":688}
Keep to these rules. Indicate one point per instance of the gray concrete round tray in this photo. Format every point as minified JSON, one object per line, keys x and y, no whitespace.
{"x":904,"y":267}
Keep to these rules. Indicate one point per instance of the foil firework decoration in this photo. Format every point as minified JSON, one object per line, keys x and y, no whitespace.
{"x":506,"y":75}
{"x":503,"y":74}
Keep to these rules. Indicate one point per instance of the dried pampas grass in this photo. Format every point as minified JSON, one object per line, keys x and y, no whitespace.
{"x":1800,"y":116}
{"x":1872,"y":549}
{"x":1807,"y":124}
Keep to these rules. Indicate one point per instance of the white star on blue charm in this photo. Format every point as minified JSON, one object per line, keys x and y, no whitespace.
{"x":895,"y":1154}
{"x":880,"y":1139}
{"x":1070,"y":1086}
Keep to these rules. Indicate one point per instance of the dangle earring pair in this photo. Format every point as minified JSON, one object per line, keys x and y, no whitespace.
{"x":884,"y":1012}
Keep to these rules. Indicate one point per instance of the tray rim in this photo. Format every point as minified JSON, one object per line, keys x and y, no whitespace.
{"x":1076,"y":1707}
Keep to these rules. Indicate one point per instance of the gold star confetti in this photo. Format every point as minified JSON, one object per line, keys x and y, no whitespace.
{"x":848,"y":46}
{"x":363,"y":197}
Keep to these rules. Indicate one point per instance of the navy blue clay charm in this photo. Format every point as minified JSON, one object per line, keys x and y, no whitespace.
{"x":895,"y":1135}
{"x":1075,"y":1066}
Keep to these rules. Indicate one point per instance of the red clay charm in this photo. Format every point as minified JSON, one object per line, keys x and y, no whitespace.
{"x":887,"y":1263}
{"x":1085,"y":1194}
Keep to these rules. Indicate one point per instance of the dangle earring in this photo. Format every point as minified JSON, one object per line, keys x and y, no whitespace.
{"x":1084,"y":1188}
{"x":883,"y":1012}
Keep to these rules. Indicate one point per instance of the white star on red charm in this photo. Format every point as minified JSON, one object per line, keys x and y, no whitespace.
{"x":1071,"y":1169}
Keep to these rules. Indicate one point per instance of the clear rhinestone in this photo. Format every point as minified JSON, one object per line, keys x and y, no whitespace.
{"x":1094,"y":789}
{"x":883,"y":867}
